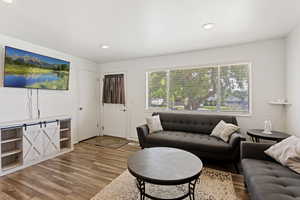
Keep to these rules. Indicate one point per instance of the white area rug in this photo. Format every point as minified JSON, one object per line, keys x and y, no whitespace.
{"x":212,"y":185}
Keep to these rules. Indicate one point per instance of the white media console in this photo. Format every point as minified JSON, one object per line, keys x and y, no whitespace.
{"x":24,"y":145}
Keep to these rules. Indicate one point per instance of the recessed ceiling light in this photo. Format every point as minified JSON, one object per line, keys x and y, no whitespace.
{"x":208,"y":26}
{"x":8,"y":1}
{"x":104,"y":46}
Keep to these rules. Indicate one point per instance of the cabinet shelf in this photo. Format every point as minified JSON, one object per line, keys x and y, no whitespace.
{"x":11,"y":166}
{"x":11,"y":148}
{"x":65,"y":135}
{"x":64,"y":149}
{"x":9,"y":153}
{"x":64,"y":139}
{"x":11,"y":140}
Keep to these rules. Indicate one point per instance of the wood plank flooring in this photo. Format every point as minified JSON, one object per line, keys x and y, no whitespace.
{"x":78,"y":175}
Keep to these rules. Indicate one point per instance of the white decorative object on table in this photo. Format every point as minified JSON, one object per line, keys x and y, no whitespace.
{"x":268,"y":127}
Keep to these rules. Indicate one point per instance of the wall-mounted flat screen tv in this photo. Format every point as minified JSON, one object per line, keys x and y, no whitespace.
{"x":23,"y":69}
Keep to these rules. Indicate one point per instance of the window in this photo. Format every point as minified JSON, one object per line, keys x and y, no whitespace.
{"x":234,"y":88}
{"x":157,"y":89}
{"x":221,"y":88}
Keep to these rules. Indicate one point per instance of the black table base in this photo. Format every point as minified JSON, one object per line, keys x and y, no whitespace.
{"x":141,"y":185}
{"x":255,"y":139}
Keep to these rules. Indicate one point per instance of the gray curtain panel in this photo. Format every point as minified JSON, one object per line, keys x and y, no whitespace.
{"x":113,"y":89}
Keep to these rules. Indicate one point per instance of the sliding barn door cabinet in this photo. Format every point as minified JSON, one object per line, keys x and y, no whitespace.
{"x":28,"y":144}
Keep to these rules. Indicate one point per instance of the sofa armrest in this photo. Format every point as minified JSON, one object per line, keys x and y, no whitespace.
{"x":142,"y":132}
{"x":235,"y":139}
{"x":255,"y":151}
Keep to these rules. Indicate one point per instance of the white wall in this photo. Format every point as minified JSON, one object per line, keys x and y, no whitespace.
{"x":293,"y":81}
{"x":53,"y":104}
{"x":268,"y":80}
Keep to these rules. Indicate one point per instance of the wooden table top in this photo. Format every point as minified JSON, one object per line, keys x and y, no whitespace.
{"x":165,"y":166}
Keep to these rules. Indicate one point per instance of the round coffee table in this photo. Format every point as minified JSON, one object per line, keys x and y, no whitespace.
{"x":165,"y":166}
{"x":257,"y":134}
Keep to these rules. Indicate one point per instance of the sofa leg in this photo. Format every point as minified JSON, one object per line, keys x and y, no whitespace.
{"x":236,"y":167}
{"x":246,"y":186}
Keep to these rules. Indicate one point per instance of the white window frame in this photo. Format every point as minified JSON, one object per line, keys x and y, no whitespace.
{"x":218,"y":112}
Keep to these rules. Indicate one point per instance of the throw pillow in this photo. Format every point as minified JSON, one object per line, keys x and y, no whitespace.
{"x":224,"y":130}
{"x":154,"y":124}
{"x":287,"y":153}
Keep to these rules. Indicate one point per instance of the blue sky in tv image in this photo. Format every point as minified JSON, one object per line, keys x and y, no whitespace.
{"x":10,"y":51}
{"x":25,"y":69}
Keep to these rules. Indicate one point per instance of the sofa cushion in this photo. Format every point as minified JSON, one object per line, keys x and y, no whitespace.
{"x":189,"y":141}
{"x":224,"y":130}
{"x":287,"y":153}
{"x":154,"y":124}
{"x":267,"y":180}
{"x":193,"y":123}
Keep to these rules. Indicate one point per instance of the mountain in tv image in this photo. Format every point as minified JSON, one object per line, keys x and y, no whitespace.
{"x":23,"y":69}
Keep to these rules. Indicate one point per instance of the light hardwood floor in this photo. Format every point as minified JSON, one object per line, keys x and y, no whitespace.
{"x":78,"y":175}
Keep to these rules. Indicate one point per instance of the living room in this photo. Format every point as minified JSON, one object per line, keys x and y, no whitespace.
{"x":94,"y":96}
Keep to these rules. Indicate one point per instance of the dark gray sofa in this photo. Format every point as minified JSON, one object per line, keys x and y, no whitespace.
{"x":191,"y":132}
{"x":265,"y":178}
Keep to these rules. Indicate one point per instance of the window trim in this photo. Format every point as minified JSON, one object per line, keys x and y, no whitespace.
{"x":242,"y":114}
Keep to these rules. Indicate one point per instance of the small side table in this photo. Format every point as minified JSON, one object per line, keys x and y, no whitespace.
{"x":257,"y":134}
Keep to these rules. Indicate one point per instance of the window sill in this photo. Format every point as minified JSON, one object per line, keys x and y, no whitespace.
{"x":200,"y":112}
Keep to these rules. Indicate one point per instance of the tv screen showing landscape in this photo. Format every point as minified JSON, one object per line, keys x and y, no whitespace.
{"x":23,"y":69}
